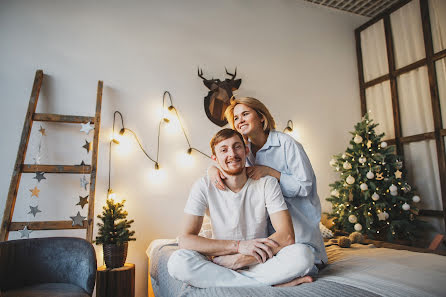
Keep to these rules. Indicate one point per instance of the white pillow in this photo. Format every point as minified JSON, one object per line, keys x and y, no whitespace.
{"x":326,"y":233}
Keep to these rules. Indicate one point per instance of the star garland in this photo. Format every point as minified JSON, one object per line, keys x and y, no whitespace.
{"x":34,"y":210}
{"x":84,"y":182}
{"x":78,"y":219}
{"x":82,"y":201}
{"x":86,"y":128}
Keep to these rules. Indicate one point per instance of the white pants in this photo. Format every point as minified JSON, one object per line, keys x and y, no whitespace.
{"x":195,"y":269}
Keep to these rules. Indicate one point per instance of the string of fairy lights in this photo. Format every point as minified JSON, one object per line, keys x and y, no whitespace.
{"x":163,"y":120}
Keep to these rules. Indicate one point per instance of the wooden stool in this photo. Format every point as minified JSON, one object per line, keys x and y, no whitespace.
{"x":116,"y":282}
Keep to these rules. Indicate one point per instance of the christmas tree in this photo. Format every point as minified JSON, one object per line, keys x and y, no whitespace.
{"x":115,"y":228}
{"x":373,"y":196}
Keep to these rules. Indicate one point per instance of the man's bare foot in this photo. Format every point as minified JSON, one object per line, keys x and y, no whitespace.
{"x":296,"y":281}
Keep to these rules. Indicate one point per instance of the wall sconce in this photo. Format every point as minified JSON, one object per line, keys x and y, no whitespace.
{"x":289,"y":127}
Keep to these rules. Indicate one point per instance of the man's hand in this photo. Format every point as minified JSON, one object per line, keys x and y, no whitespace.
{"x":259,"y":248}
{"x":230,"y":261}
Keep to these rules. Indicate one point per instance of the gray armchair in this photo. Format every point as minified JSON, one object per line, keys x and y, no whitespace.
{"x":53,"y":266}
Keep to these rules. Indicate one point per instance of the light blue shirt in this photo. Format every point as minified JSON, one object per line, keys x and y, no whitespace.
{"x":298,"y":183}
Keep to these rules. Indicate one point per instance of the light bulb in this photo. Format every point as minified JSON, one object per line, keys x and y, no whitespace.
{"x":185,"y":159}
{"x":111,"y":194}
{"x":116,"y":138}
{"x":157,"y":176}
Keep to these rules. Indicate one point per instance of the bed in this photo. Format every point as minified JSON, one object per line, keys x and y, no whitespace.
{"x":362,"y":270}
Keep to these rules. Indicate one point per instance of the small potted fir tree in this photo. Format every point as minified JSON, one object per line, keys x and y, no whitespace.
{"x":114,"y":233}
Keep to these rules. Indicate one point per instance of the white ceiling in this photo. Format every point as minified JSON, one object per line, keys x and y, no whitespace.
{"x":368,"y":8}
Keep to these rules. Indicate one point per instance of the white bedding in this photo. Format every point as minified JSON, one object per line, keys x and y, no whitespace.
{"x":385,"y":272}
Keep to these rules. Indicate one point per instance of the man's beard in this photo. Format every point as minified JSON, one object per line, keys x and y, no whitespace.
{"x":234,"y":171}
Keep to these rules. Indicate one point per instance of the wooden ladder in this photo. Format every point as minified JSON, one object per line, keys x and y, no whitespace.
{"x":20,"y":167}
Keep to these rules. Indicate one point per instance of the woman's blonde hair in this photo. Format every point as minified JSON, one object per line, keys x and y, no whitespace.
{"x":259,"y":107}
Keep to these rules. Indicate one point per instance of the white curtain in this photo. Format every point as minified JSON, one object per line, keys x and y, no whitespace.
{"x":379,"y":106}
{"x":407,"y":32}
{"x":374,"y":53}
{"x":413,"y":92}
{"x":437,"y":13}
{"x":422,"y":167}
{"x":415,"y":102}
{"x":440,"y":66}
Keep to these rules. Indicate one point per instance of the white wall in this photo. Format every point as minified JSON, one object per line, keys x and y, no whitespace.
{"x":298,"y":58}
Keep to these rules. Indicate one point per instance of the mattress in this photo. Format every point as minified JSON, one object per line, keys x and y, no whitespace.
{"x":362,"y":270}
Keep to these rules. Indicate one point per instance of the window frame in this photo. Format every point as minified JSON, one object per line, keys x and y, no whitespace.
{"x":439,"y":132}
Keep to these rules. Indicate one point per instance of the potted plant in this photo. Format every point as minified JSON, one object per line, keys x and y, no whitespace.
{"x":114,"y":233}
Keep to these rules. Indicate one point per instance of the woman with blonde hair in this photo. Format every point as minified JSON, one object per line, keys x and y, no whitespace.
{"x":279,"y":155}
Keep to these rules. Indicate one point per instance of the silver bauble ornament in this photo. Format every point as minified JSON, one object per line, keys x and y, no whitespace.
{"x":364,"y":187}
{"x":357,"y":139}
{"x":350,"y":180}
{"x":383,"y":144}
{"x":375,"y":197}
{"x":406,"y":206}
{"x":406,"y":188}
{"x":358,"y":227}
{"x":347,"y":165}
{"x":362,"y":160}
{"x":416,"y":199}
{"x":393,"y":188}
{"x":352,"y":219}
{"x":370,"y":174}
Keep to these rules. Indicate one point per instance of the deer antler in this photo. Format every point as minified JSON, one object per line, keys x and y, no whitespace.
{"x":233,"y":75}
{"x":200,"y":73}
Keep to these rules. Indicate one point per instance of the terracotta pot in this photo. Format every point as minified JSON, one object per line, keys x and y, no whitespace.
{"x":115,"y":255}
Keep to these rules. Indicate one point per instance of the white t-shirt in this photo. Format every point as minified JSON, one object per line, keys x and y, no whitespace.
{"x":237,"y":216}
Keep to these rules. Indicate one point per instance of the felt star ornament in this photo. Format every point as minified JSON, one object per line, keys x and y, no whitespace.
{"x":84,"y":182}
{"x":78,"y":219}
{"x":82,"y":201}
{"x":34,"y":192}
{"x":42,"y":131}
{"x":398,"y":174}
{"x":39,"y":176}
{"x":382,"y":216}
{"x":25,"y":232}
{"x":36,"y":160}
{"x":86,"y":128}
{"x":87,"y":146}
{"x":34,"y":210}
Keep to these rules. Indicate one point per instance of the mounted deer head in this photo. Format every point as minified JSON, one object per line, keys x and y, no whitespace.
{"x":218,"y":98}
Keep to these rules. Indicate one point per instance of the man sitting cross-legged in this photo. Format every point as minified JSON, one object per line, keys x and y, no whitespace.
{"x":239,"y":253}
